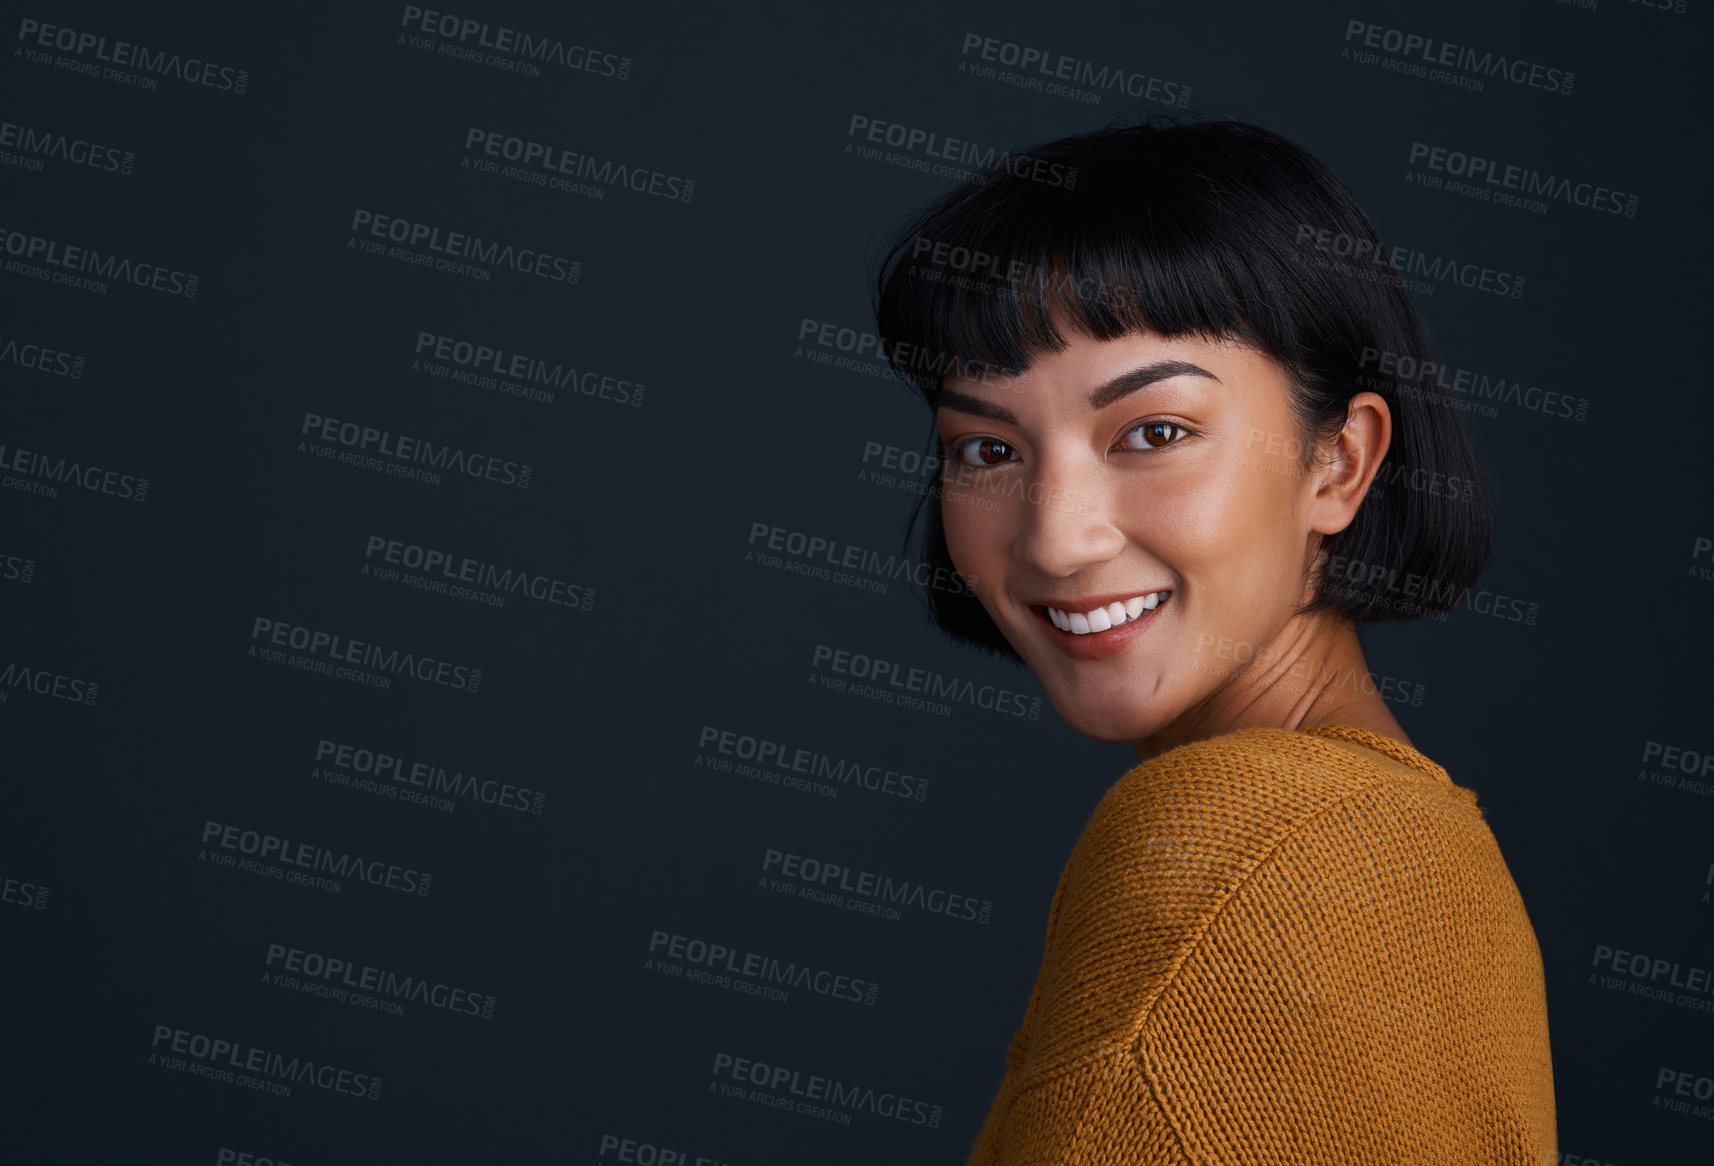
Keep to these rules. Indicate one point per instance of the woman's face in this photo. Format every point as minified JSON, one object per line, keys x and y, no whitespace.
{"x":1140,"y":471}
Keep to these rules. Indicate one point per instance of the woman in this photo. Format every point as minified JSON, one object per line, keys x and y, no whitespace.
{"x":1163,"y":393}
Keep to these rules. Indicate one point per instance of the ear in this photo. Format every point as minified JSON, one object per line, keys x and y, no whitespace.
{"x":1350,"y":461}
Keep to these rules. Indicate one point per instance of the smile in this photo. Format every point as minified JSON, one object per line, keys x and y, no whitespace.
{"x":1115,"y":614}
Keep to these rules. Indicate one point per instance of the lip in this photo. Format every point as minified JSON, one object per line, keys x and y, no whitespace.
{"x":1096,"y":645}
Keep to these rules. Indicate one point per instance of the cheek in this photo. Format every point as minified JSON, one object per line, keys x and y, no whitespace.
{"x":973,"y":537}
{"x":1225,"y":521}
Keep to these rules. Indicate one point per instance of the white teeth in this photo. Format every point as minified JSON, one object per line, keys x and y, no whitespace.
{"x":1083,"y":623}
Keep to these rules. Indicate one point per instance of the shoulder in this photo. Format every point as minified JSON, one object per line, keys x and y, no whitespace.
{"x":1211,"y":835}
{"x":1166,"y":847}
{"x":1396,"y":882}
{"x":1190,"y":826}
{"x":1385,"y":930}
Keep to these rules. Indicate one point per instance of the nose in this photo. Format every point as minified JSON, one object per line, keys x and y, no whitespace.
{"x":1065,"y":521}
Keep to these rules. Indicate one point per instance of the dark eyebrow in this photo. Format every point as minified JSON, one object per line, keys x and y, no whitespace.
{"x":1119,"y":387}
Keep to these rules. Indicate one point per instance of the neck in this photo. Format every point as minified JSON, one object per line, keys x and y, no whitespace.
{"x":1313,"y":673}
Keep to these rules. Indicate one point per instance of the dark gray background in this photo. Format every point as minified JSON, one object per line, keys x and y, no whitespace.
{"x":652,"y":507}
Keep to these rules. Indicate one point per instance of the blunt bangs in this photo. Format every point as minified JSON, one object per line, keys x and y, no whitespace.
{"x":1216,"y":229}
{"x":1194,"y":229}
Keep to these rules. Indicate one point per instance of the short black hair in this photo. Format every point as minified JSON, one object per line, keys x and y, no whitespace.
{"x":1204,"y":227}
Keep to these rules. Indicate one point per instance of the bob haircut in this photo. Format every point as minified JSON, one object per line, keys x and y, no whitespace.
{"x":1216,"y":229}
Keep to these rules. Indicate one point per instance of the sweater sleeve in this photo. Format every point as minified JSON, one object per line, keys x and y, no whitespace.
{"x":1371,"y":993}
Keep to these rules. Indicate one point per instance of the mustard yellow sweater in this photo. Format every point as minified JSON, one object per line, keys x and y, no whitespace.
{"x":1282,"y":947}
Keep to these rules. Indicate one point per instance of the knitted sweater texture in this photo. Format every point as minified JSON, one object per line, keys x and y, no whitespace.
{"x":1284,"y":947}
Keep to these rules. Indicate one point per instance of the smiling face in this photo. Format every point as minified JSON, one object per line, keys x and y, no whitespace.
{"x":1165,"y":476}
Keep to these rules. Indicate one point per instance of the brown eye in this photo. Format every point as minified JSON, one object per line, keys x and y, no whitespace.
{"x":989,"y":451}
{"x":1159,"y":434}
